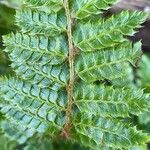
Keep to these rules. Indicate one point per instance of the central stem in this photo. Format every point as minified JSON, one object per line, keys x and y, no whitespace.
{"x":66,"y":129}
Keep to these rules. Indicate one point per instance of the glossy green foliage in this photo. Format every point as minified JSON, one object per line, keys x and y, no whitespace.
{"x":85,"y":8}
{"x":44,"y":5}
{"x":103,"y":66}
{"x":38,"y":58}
{"x":30,"y":108}
{"x":36,"y":100}
{"x":39,"y":22}
{"x":103,"y":133}
{"x":107,"y":33}
{"x":110,"y":102}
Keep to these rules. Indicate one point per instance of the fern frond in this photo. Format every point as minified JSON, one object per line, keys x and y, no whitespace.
{"x":103,"y":132}
{"x":109,"y":101}
{"x":126,"y":80}
{"x":44,"y":5}
{"x":38,"y":58}
{"x":54,"y":50}
{"x":36,"y":108}
{"x":108,"y":63}
{"x":61,"y":60}
{"x":85,"y":8}
{"x":36,"y":22}
{"x":109,"y":33}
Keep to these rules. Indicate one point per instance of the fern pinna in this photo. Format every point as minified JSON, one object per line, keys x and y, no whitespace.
{"x":64,"y":55}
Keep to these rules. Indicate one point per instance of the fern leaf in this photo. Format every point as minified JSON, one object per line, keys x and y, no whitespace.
{"x":36,"y":22}
{"x":108,"y":101}
{"x":85,"y":8}
{"x":126,"y":80}
{"x":38,"y":46}
{"x":106,"y":132}
{"x":109,"y":33}
{"x":36,"y":108}
{"x":108,"y":63}
{"x":61,"y":60}
{"x":44,"y":5}
{"x":38,"y":58}
{"x":45,"y":76}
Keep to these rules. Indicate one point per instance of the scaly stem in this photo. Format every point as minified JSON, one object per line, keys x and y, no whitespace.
{"x":66,"y":129}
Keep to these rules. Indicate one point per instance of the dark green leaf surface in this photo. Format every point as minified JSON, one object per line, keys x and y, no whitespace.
{"x":85,"y":8}
{"x":107,"y":33}
{"x":108,"y":63}
{"x":38,"y":59}
{"x":33,"y":108}
{"x":36,"y":22}
{"x":72,"y":75}
{"x":110,"y":102}
{"x":48,"y":6}
{"x":105,"y":132}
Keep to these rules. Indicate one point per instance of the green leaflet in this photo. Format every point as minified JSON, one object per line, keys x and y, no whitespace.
{"x":36,"y":108}
{"x":38,"y":58}
{"x":126,"y":80}
{"x":24,"y":47}
{"x":41,"y":23}
{"x":110,"y":101}
{"x":47,"y":6}
{"x":85,"y":8}
{"x":108,"y":63}
{"x":45,"y":75}
{"x":109,"y":33}
{"x":105,"y":132}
